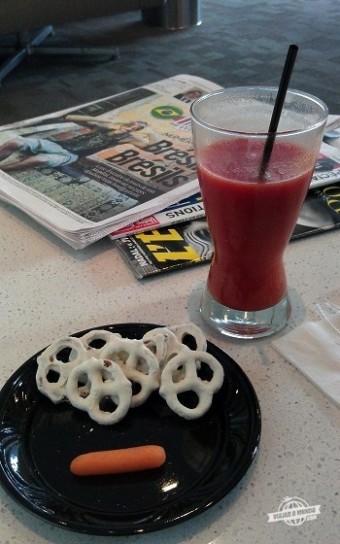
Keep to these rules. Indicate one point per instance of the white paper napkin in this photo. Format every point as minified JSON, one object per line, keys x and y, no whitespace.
{"x":314,"y":348}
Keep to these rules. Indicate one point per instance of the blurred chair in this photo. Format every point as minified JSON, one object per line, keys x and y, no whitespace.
{"x":31,"y":21}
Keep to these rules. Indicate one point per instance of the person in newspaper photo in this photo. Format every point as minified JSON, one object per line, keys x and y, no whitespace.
{"x":34,"y":151}
{"x":190,"y":95}
{"x":131,"y":132}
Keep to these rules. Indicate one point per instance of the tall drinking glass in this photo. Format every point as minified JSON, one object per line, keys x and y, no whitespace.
{"x":251,"y":204}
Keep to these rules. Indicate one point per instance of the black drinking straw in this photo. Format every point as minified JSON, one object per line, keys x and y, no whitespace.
{"x":280,"y":98}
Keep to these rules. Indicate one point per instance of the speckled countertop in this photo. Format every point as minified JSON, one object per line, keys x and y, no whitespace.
{"x":48,"y":290}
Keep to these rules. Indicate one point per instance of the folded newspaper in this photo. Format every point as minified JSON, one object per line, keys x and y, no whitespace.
{"x":108,"y":166}
{"x":87,"y":171}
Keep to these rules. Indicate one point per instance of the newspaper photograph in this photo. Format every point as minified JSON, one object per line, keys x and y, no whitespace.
{"x":90,"y":170}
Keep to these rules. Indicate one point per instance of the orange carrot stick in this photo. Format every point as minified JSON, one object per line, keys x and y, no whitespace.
{"x":118,"y":461}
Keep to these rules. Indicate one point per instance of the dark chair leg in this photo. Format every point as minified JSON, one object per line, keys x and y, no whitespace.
{"x":21,"y":51}
{"x":27,"y":46}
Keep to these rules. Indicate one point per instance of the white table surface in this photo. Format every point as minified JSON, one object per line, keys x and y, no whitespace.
{"x":49,"y":290}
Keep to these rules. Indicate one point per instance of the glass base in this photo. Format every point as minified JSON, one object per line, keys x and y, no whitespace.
{"x":244,"y":324}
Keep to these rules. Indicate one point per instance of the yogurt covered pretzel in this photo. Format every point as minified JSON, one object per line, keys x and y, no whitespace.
{"x":101,"y":364}
{"x":188,"y":363}
{"x":164,"y":343}
{"x":138,"y":363}
{"x":185,"y":331}
{"x":94,"y":381}
{"x":58,"y":360}
{"x":102,"y":336}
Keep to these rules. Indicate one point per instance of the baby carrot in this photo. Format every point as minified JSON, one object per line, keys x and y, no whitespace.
{"x":117,"y":461}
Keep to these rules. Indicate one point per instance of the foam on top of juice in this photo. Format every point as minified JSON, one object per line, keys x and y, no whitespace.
{"x":240,"y":160}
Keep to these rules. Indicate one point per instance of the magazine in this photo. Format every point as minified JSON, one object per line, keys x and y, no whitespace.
{"x":327,"y":168}
{"x":186,"y":209}
{"x":168,"y":248}
{"x":332,"y":132}
{"x":187,"y":244}
{"x":88,"y":171}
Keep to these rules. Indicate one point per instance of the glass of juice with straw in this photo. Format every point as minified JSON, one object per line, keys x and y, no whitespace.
{"x":253,"y":183}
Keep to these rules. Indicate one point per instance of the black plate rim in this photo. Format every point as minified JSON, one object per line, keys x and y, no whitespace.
{"x":124,"y":527}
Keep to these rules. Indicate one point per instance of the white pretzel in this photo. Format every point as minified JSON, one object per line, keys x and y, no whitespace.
{"x":102,"y":379}
{"x":164,"y":343}
{"x":101,"y":364}
{"x":138,"y":363}
{"x":97,"y":334}
{"x":189,"y":362}
{"x":157,"y":343}
{"x":184,"y":330}
{"x":50,"y":361}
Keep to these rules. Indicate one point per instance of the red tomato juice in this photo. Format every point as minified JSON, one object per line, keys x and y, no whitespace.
{"x":251,"y":220}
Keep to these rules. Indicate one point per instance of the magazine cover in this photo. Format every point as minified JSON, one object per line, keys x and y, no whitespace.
{"x":332,"y":131}
{"x":167,"y":248}
{"x":327,"y":168}
{"x":189,"y":243}
{"x":186,"y":209}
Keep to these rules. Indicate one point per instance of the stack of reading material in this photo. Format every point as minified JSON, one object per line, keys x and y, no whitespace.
{"x":124,"y":166}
